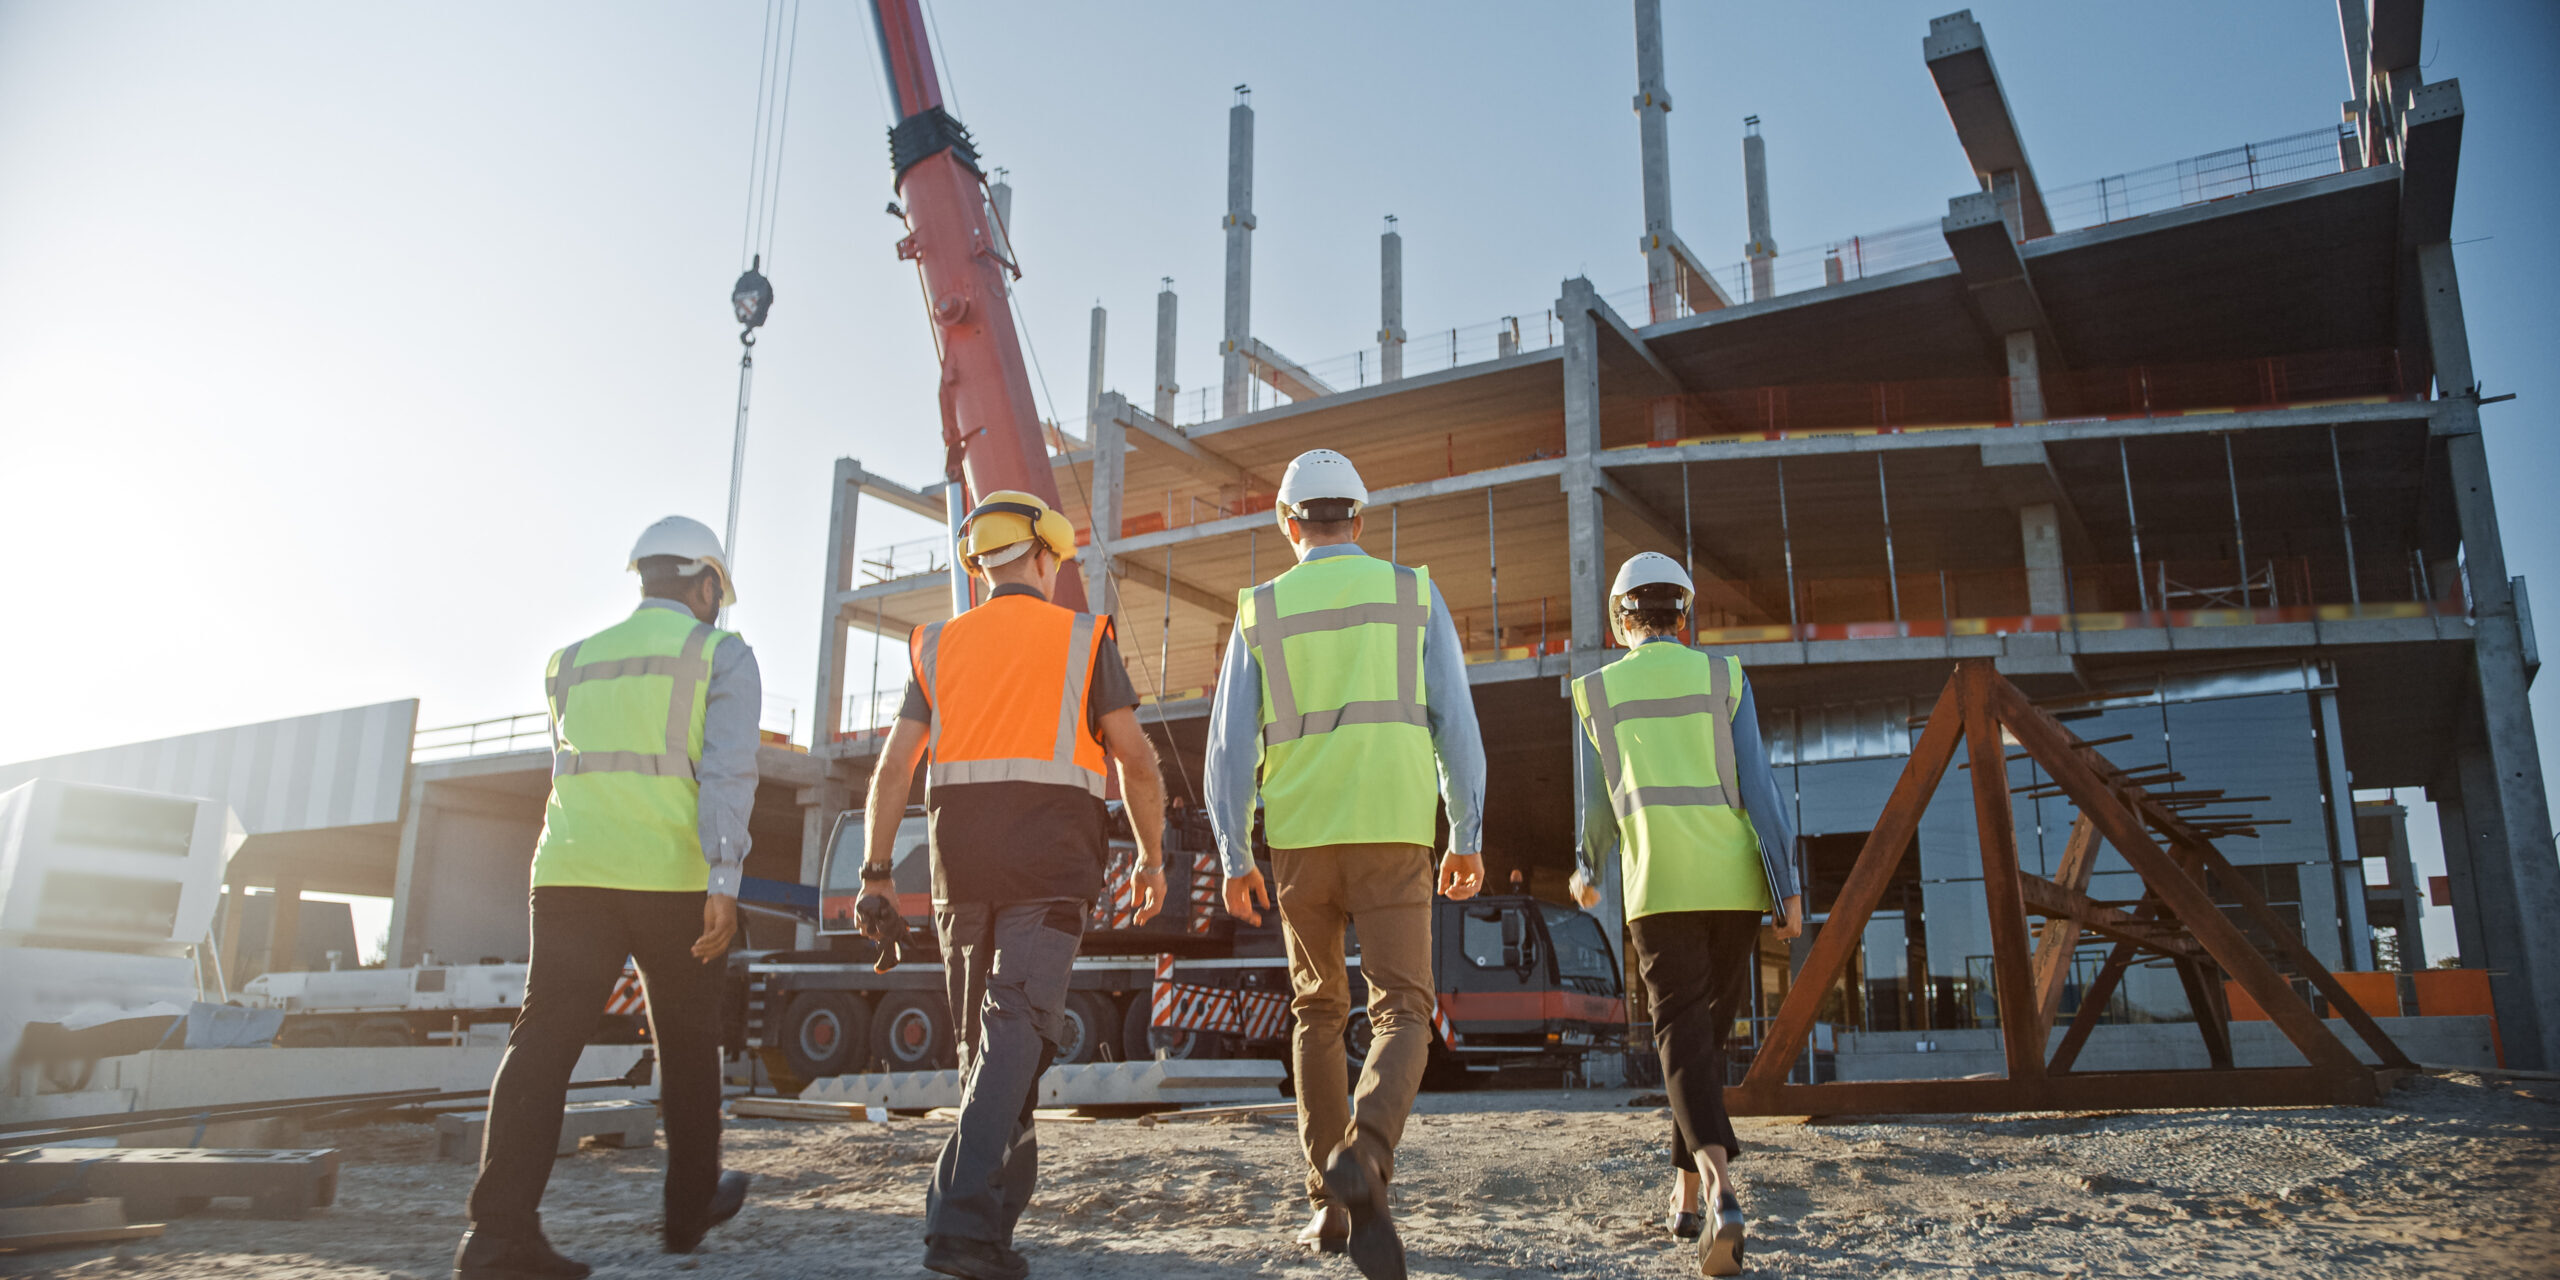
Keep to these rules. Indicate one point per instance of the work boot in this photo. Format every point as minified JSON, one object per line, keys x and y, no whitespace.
{"x":973,"y":1259}
{"x":483,"y":1255}
{"x":727,"y":1197}
{"x":1352,"y":1182}
{"x":1328,"y":1232}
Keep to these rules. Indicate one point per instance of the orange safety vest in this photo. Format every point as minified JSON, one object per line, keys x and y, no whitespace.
{"x":1007,"y":683}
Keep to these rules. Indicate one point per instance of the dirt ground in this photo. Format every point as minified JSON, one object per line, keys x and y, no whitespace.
{"x":2455,"y":1177}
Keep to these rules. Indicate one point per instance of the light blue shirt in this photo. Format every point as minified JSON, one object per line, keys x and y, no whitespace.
{"x":1233,"y":774}
{"x":1772,"y":819}
{"x":733,"y":703}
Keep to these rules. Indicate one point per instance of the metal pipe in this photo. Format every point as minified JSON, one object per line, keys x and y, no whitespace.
{"x":2133,"y":521}
{"x":871,"y":713}
{"x":1787,"y":543}
{"x":1891,"y":581}
{"x":1492,"y":571}
{"x":2346,"y":521}
{"x":1164,"y":644}
{"x":2239,"y":535}
{"x":1689,"y":550}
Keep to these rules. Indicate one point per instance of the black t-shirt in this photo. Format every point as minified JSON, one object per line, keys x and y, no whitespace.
{"x":1023,"y":841}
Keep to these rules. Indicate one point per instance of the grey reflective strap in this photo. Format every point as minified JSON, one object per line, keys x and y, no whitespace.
{"x":1315,"y":722}
{"x":1274,"y":655}
{"x":1071,"y":690}
{"x":1405,"y":612}
{"x":1716,"y":705}
{"x":1411,"y":618}
{"x":1625,"y":803}
{"x":566,"y":764}
{"x":926,"y":654}
{"x":618,"y":668}
{"x":693,"y":667}
{"x":963,"y":772}
{"x":1726,"y":696}
{"x":1604,"y":733}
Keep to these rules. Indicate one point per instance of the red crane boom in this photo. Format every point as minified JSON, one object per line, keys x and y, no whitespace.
{"x":991,"y":431}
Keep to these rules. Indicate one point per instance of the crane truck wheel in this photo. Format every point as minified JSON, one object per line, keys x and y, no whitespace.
{"x":383,"y":1033}
{"x":1090,"y":1023}
{"x":911,"y":1031}
{"x":1140,"y":1041}
{"x":826,"y":1033}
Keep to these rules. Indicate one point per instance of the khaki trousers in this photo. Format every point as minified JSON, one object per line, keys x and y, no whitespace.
{"x":1386,"y":890}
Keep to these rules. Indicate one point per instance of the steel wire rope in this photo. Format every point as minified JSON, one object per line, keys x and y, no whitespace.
{"x":777,"y":48}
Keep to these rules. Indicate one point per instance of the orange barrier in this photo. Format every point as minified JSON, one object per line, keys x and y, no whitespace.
{"x":2441,"y":993}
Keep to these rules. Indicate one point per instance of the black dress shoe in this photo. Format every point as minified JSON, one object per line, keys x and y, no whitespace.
{"x":525,"y":1256}
{"x":727,"y":1196}
{"x":1685,"y":1225}
{"x":1349,"y":1181}
{"x":973,"y":1259}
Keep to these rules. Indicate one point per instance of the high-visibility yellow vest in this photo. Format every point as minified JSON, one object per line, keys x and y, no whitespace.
{"x":626,"y":727}
{"x":1345,"y":750}
{"x":1662,"y":720}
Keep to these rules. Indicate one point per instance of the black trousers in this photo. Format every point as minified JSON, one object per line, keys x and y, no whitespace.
{"x":581,"y":937}
{"x":1696,"y":967}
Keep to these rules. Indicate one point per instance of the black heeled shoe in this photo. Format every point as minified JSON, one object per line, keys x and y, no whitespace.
{"x":1684,"y":1225}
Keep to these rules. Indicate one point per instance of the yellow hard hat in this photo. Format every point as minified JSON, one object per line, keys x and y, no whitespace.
{"x":1003,"y":524}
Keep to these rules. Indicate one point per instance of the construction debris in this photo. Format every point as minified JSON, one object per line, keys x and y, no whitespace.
{"x":620,"y":1123}
{"x":169,"y":1182}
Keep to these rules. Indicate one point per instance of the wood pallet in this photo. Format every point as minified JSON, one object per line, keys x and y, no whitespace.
{"x":2175,"y":919}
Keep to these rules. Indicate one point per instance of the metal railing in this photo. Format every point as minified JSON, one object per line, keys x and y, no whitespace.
{"x":526,"y":731}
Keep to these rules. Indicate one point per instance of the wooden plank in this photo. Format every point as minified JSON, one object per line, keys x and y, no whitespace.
{"x":2061,"y":937}
{"x":1050,"y":1115}
{"x":1839,"y":936}
{"x":2021,"y":1027}
{"x":795,"y":1109}
{"x":2184,"y":898}
{"x":2046,"y":898}
{"x":2290,"y":943}
{"x":1238,"y":1109}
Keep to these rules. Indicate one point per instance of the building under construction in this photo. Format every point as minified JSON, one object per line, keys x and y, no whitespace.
{"x":2197,"y":447}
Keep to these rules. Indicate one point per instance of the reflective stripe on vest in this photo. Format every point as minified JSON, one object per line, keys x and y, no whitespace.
{"x":684,"y":669}
{"x":1716,"y":704}
{"x":1270,"y":630}
{"x":1060,"y":768}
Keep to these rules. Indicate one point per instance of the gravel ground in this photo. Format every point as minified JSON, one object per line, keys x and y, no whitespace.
{"x":2454,"y":1177}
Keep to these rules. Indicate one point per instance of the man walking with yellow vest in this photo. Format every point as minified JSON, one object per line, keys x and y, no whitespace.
{"x":1673,"y":775}
{"x":1343,"y":703}
{"x":653,"y":773}
{"x":1020,"y":701}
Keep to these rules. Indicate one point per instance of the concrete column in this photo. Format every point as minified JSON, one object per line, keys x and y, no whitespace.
{"x":2453,"y":829}
{"x":1166,"y":387}
{"x":2026,"y":380}
{"x":2040,"y":531}
{"x":2520,"y":871}
{"x":1506,"y":340}
{"x":1236,"y":378}
{"x":1584,"y":536}
{"x":1390,"y":303}
{"x":284,"y":927}
{"x":1108,"y":439}
{"x":2346,"y":856}
{"x":1653,"y":133}
{"x":826,"y":718}
{"x":1762,"y":252}
{"x":1093,"y":365}
{"x":2004,"y":192}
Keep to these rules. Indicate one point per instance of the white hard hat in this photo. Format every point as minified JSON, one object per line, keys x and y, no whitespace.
{"x":688,"y":540}
{"x":1316,"y":475}
{"x":1651,"y":569}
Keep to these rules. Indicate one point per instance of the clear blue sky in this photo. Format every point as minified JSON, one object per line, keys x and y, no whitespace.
{"x":343,"y":349}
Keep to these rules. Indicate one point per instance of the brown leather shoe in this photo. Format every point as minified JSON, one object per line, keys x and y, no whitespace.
{"x":1328,"y":1232}
{"x":1353,"y":1183}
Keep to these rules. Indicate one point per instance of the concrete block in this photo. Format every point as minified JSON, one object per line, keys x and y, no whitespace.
{"x":168,"y":1078}
{"x":619,"y":1123}
{"x":1093,"y":1084}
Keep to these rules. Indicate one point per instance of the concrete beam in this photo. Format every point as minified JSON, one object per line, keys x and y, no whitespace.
{"x":1994,"y":271}
{"x":844,"y":505}
{"x":1285,"y":375}
{"x":2393,"y":35}
{"x":923,"y":502}
{"x":2355,"y":33}
{"x":1149,"y":572}
{"x":1665,"y":382}
{"x":1155,"y":435}
{"x":913,"y":584}
{"x":2430,"y":159}
{"x":1960,"y":61}
{"x":2021,"y":436}
{"x":1715,"y":582}
{"x":1379,"y":499}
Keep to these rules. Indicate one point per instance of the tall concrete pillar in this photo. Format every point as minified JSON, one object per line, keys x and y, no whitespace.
{"x":1653,"y":134}
{"x":2040,"y":530}
{"x":826,"y":714}
{"x":1166,"y":387}
{"x":284,"y":927}
{"x":1390,"y":303}
{"x":2026,"y":380}
{"x":1093,"y":365}
{"x":1584,"y":535}
{"x":1762,"y":252}
{"x":1109,"y":441}
{"x":2518,"y":869}
{"x":1236,"y":377}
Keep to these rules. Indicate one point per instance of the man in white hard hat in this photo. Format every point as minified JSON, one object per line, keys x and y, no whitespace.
{"x":1022,"y":704}
{"x":1344,"y":706}
{"x":1675,"y":780}
{"x":644,"y":838}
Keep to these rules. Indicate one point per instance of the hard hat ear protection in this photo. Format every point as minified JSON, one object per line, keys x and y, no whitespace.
{"x":1048,"y":526}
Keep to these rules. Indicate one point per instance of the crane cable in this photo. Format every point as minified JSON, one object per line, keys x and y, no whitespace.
{"x":778,"y":55}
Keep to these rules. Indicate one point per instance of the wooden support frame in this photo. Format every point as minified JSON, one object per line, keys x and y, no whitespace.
{"x":2176,"y":919}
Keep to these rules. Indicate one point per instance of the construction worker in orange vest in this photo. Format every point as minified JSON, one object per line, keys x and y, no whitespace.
{"x":1019,"y":701}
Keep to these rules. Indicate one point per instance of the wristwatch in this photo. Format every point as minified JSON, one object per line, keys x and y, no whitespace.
{"x":875,"y":871}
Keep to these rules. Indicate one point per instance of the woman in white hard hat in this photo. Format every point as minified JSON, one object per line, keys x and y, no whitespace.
{"x":1675,"y":779}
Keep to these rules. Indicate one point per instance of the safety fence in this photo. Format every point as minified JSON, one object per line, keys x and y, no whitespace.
{"x":2217,"y":175}
{"x":528,"y":731}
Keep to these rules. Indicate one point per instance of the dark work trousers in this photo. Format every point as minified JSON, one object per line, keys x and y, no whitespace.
{"x":581,"y":937}
{"x":1005,"y":969}
{"x":1696,"y":967}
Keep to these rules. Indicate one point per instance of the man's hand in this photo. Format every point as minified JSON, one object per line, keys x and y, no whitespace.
{"x":1584,"y":892}
{"x":719,"y":926}
{"x":1244,"y":893}
{"x":1791,"y":919}
{"x":1461,"y":875}
{"x":1150,"y":887}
